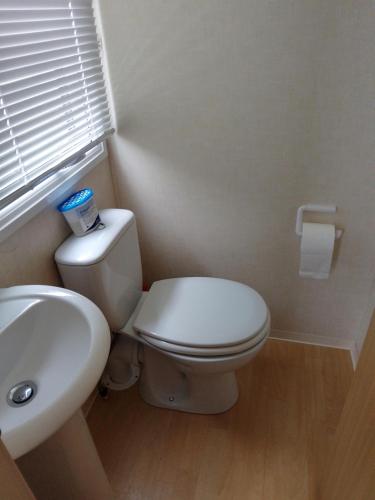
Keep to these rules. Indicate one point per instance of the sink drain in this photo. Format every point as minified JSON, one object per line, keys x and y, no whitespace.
{"x":21,"y":393}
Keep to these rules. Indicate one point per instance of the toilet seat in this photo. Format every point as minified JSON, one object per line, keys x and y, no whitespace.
{"x":202,"y":317}
{"x":208,"y":351}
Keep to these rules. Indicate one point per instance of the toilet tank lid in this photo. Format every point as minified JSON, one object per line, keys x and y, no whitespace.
{"x":93,"y":247}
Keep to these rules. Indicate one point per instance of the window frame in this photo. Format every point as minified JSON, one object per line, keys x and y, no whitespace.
{"x":61,"y":184}
{"x":52,"y":191}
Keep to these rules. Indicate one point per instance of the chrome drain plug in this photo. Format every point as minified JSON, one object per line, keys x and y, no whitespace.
{"x":21,"y":393}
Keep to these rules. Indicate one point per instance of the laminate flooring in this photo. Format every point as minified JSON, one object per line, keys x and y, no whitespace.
{"x":272,"y":445}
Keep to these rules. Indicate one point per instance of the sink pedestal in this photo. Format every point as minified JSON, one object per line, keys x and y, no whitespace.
{"x":67,"y":465}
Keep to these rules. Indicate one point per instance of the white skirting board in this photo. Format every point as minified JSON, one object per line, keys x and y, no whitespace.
{"x":321,"y":340}
{"x":355,"y":352}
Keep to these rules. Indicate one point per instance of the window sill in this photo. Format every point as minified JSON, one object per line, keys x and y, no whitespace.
{"x":50,"y":192}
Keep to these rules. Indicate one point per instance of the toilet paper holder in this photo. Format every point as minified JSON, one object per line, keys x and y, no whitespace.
{"x":328,"y":209}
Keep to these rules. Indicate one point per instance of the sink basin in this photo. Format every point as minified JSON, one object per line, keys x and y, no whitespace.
{"x":57,"y":340}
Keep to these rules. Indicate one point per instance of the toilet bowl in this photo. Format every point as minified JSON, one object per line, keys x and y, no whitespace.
{"x":189,"y":335}
{"x":193,"y":341}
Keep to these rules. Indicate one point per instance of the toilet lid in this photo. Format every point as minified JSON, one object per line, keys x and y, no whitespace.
{"x":201,"y":313}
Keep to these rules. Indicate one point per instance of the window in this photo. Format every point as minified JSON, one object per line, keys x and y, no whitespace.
{"x":53,"y":106}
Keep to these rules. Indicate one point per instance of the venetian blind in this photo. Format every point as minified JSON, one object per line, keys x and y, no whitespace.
{"x":53,"y":105}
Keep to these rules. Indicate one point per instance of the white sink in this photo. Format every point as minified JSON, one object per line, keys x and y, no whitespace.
{"x":57,"y":340}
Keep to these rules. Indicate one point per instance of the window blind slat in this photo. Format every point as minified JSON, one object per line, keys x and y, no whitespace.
{"x":26,"y":5}
{"x":37,"y":132}
{"x":10,"y":184}
{"x":19,"y":113}
{"x":53,"y":101}
{"x":6,"y":173}
{"x":4,"y":136}
{"x":78,"y":66}
{"x":52,"y":144}
{"x":81,"y":119}
{"x":51,"y":119}
{"x":45,"y":47}
{"x":28,"y":145}
{"x":14,"y":74}
{"x":53,"y":85}
{"x":32,"y":120}
{"x":6,"y":154}
{"x":69,"y":71}
{"x":31,"y":27}
{"x":33,"y":163}
{"x":30,"y":65}
{"x":60,"y":95}
{"x":31,"y":15}
{"x":11,"y":41}
{"x":10,"y":176}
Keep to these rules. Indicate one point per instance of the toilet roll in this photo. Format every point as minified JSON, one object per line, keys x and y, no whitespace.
{"x":317,"y":245}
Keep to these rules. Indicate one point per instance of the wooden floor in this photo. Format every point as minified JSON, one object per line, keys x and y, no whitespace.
{"x":270,"y":446}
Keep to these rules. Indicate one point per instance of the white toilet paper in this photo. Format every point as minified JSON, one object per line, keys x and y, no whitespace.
{"x":317,"y":245}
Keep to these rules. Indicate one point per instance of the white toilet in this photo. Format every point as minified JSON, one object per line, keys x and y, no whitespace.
{"x":184,"y":338}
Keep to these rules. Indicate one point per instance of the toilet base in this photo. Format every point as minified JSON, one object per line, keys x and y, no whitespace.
{"x":169,"y":384}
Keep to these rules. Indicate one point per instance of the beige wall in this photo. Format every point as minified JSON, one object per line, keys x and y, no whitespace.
{"x":26,"y":257}
{"x":343,"y":127}
{"x":229,"y":116}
